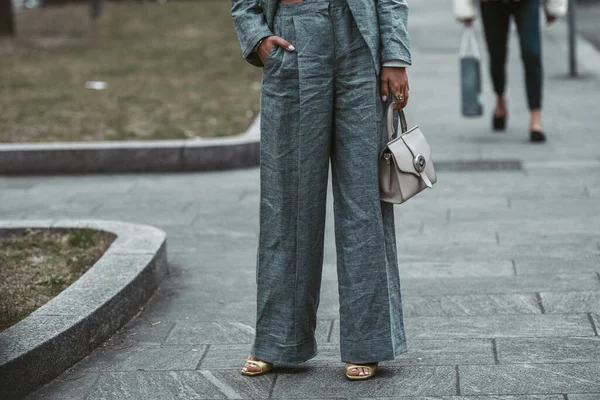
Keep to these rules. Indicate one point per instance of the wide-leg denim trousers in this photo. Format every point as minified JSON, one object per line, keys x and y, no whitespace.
{"x":320,"y":103}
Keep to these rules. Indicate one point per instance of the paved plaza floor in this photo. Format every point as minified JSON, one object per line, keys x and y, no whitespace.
{"x":500,"y":263}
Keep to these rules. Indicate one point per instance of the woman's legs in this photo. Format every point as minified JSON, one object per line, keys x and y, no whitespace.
{"x":320,"y":101}
{"x":527,"y":18}
{"x":296,"y":115}
{"x":371,"y":325}
{"x":496,"y":22}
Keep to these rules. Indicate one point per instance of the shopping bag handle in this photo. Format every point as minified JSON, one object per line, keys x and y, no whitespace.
{"x":468,"y":41}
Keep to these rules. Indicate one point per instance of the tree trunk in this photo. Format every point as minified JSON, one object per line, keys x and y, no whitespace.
{"x":7,"y":23}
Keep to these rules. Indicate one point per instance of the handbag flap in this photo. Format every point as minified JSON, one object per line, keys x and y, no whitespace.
{"x":416,"y":142}
{"x":406,"y":147}
{"x":403,"y":158}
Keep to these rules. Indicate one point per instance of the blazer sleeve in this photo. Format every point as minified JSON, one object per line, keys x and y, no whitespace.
{"x":250,"y":26}
{"x":464,"y":9}
{"x":393,"y":30}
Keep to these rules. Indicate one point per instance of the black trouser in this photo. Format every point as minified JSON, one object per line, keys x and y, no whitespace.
{"x":496,"y":22}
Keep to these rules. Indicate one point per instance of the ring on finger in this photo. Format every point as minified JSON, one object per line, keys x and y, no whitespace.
{"x":399,"y":97}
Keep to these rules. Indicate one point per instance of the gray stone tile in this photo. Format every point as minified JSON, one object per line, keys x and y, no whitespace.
{"x":225,"y":356}
{"x":589,"y":396}
{"x":529,"y":378}
{"x":197,"y":255}
{"x":441,"y":269}
{"x":453,"y":234}
{"x":201,"y":279}
{"x":16,"y":184}
{"x":52,"y":211}
{"x":159,"y":216}
{"x":68,"y":386}
{"x":162,"y":385}
{"x":541,"y":265}
{"x":174,"y":308}
{"x":142,"y":330}
{"x":142,"y":358}
{"x":573,"y":207}
{"x":567,"y":205}
{"x":482,"y":304}
{"x":421,"y":352}
{"x":559,"y":238}
{"x":100,"y":186}
{"x":211,"y":333}
{"x":547,"y":350}
{"x":571,"y":302}
{"x":447,"y":352}
{"x":421,"y":251}
{"x":489,"y":397}
{"x":500,"y":284}
{"x":498,"y":326}
{"x":457,"y":200}
{"x":391,"y":381}
{"x":231,"y":332}
{"x":203,"y":292}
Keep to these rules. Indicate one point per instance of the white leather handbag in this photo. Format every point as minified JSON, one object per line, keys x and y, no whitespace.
{"x":405,"y":165}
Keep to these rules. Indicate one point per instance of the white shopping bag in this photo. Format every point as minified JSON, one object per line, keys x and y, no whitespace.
{"x":470,"y":75}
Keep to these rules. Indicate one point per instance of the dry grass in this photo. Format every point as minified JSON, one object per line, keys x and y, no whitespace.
{"x":173,"y":71}
{"x":40,"y":264}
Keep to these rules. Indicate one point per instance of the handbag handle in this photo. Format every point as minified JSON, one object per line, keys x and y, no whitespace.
{"x":390,"y":122}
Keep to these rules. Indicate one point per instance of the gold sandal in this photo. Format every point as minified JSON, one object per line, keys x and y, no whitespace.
{"x":265,"y":367}
{"x":371,"y":367}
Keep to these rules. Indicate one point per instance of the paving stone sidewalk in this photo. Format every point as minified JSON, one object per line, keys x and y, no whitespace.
{"x":500,"y":269}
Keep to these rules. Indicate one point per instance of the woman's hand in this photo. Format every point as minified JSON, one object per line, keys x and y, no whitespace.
{"x":549,"y":17}
{"x":395,"y":78}
{"x":467,"y":22}
{"x":268,"y":43}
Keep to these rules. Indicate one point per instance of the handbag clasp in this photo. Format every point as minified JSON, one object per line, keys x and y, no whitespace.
{"x":420,"y":163}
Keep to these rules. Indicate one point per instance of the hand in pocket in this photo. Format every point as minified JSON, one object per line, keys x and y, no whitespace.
{"x":267,"y":45}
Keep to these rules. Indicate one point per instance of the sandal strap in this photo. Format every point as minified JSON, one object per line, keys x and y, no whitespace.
{"x":261,"y":364}
{"x":370,"y":367}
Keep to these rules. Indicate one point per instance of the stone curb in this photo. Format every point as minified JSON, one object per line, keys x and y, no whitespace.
{"x":132,"y":156}
{"x":68,"y":327}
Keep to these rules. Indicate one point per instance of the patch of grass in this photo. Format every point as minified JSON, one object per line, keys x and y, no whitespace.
{"x":40,"y":264}
{"x":173,"y":71}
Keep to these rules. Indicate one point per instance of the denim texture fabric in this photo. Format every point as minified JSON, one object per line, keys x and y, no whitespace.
{"x":321,"y":104}
{"x":496,"y":22}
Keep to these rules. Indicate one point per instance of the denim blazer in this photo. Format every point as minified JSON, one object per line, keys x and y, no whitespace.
{"x":382,"y":23}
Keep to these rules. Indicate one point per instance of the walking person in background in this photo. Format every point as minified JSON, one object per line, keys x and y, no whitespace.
{"x":330,"y":69}
{"x":496,"y":15}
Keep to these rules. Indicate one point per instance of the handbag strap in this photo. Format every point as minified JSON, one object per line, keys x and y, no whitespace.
{"x":390,"y":122}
